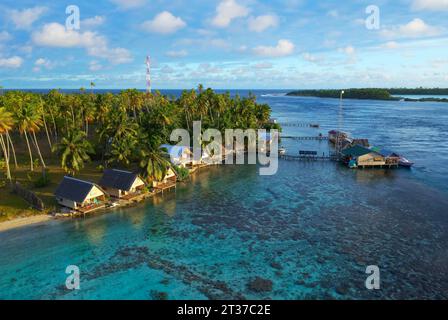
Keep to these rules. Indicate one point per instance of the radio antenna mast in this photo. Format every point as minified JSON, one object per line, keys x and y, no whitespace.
{"x":148,"y":74}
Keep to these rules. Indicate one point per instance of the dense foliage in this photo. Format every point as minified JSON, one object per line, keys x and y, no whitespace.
{"x":375,"y":93}
{"x":419,"y":91}
{"x":123,"y":130}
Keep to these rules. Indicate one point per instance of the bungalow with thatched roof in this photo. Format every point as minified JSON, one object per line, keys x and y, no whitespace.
{"x":80,"y":195}
{"x":121,"y":184}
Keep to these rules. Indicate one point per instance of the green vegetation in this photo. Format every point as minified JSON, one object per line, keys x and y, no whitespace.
{"x":181,"y":173}
{"x":419,"y":91}
{"x":78,"y":134}
{"x":374,"y":93}
{"x":43,"y":180}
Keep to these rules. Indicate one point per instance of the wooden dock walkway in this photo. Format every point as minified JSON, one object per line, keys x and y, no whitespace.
{"x":309,"y":158}
{"x":317,"y":138}
{"x":300,"y":124}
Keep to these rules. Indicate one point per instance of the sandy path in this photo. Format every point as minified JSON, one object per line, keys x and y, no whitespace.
{"x":21,"y":222}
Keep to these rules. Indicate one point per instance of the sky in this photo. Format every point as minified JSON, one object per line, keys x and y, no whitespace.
{"x":224,"y":44}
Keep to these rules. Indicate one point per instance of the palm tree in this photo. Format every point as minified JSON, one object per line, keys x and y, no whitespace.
{"x":74,"y":151}
{"x":6,"y":123}
{"x":154,"y":164}
{"x":42,"y":112}
{"x":153,"y":160}
{"x":28,"y":122}
{"x":92,"y":85}
{"x":123,"y":150}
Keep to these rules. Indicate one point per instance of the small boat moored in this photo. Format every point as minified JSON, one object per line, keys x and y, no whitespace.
{"x":405,"y":162}
{"x":282,"y":151}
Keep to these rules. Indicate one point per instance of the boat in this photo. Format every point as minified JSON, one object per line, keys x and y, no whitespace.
{"x":405,"y":162}
{"x":352,"y":164}
{"x":282,"y":151}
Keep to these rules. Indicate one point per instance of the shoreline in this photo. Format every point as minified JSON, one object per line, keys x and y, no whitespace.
{"x":22,"y":222}
{"x":25,"y":222}
{"x":392,"y":98}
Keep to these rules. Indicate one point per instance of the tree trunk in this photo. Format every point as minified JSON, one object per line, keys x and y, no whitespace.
{"x":29,"y":150}
{"x":46,"y":130}
{"x":8,"y":138}
{"x":73,"y":115}
{"x":54,"y":125}
{"x":8,"y":171}
{"x":38,"y":150}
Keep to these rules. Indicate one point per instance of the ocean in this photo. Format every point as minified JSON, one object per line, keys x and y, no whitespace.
{"x":308,"y":232}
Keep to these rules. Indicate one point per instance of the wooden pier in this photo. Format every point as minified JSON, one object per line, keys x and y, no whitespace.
{"x":300,"y":124}
{"x":315,"y":138}
{"x":165,"y":186}
{"x":309,"y":158}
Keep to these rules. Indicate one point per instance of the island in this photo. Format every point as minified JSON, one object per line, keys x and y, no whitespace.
{"x":394,"y":94}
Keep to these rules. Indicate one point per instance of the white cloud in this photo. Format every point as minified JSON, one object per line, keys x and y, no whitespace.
{"x":433,"y":5}
{"x":311,"y":58}
{"x":93,"y":22}
{"x":349,"y":50}
{"x":164,"y":23}
{"x":56,"y":35}
{"x":390,"y":45}
{"x":5,"y":36}
{"x":414,"y":29}
{"x":261,"y":23}
{"x":23,"y":19}
{"x":42,"y":62}
{"x":205,"y":42}
{"x":264,"y":65}
{"x":95,"y":66}
{"x":176,"y":54}
{"x":227,"y":11}
{"x":12,"y":62}
{"x":283,"y":48}
{"x":129,"y":4}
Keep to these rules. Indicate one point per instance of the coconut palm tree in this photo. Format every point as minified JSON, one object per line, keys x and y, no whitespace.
{"x":41,"y":110}
{"x":123,"y":150}
{"x":74,"y":150}
{"x":153,"y":160}
{"x":154,"y":164}
{"x":6,"y":123}
{"x":29,"y":122}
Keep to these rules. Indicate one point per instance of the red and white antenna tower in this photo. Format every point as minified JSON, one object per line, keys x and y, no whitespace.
{"x":148,"y":74}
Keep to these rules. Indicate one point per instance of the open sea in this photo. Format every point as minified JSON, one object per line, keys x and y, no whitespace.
{"x":309,"y":231}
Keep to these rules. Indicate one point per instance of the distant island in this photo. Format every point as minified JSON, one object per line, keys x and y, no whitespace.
{"x":376,"y":94}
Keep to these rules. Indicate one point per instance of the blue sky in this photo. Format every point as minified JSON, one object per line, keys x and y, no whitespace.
{"x":224,"y":44}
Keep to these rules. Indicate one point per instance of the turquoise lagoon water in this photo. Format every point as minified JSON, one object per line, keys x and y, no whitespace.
{"x":311,"y":229}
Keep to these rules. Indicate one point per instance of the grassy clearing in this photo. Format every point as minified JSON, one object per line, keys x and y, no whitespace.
{"x":12,"y":206}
